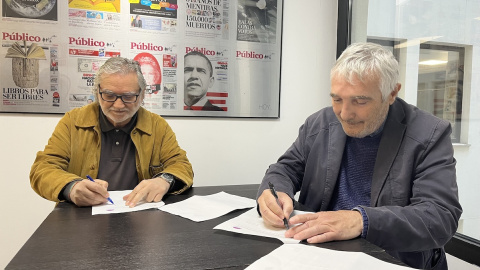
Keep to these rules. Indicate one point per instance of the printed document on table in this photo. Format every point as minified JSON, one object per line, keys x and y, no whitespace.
{"x":201,"y":208}
{"x":120,"y":207}
{"x":312,"y":257}
{"x":251,"y":223}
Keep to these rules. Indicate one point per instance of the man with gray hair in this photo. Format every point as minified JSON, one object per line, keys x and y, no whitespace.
{"x":369,"y":166}
{"x":114,"y":141}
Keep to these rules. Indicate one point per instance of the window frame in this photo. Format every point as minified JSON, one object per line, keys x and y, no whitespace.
{"x":457,"y":131}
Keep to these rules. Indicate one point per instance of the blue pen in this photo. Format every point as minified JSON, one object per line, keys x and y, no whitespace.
{"x":90,"y":178}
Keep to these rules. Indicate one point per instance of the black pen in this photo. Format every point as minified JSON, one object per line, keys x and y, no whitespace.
{"x":274,"y":193}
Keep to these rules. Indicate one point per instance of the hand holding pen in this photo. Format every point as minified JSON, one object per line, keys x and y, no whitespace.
{"x":88,"y":192}
{"x":90,"y":178}
{"x":274,"y":193}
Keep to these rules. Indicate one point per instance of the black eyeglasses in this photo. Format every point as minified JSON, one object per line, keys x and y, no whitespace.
{"x":111,"y":97}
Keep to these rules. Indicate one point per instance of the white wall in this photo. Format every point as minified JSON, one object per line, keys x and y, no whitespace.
{"x":222,"y":151}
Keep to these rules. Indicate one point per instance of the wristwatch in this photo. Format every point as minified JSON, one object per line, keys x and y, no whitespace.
{"x":169,"y":179}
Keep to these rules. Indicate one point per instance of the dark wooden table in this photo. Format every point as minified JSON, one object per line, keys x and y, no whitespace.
{"x":71,"y":238}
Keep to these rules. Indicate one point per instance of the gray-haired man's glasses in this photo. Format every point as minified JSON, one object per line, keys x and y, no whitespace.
{"x":111,"y":97}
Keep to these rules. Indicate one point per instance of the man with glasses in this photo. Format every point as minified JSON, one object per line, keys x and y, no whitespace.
{"x":115,"y":141}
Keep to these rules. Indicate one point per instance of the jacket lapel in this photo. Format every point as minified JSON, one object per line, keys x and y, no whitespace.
{"x":392,"y":137}
{"x":90,"y":118}
{"x":142,"y":123}
{"x":336,"y":141}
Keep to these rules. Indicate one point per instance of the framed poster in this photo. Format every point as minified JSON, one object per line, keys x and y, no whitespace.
{"x":218,"y":58}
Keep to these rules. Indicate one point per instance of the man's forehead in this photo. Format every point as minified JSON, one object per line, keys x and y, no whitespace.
{"x":357,"y":89}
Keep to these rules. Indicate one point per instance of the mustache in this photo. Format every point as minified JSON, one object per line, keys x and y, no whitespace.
{"x":350,"y":122}
{"x":120,"y":110}
{"x":192,"y":84}
{"x":192,"y":79}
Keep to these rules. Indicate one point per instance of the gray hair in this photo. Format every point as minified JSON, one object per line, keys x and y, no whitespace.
{"x":119,"y":66}
{"x":368,"y":61}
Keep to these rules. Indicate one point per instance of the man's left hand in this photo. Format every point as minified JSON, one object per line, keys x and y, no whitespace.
{"x":152,"y":190}
{"x":326,"y":226}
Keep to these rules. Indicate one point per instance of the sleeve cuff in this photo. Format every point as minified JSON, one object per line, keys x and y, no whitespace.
{"x":365,"y":220}
{"x":65,"y":193}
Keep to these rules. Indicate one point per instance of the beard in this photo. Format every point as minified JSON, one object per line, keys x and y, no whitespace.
{"x":361,"y":129}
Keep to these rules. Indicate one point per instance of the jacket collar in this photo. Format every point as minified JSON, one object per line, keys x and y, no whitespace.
{"x":388,"y":149}
{"x":90,"y":113}
{"x":88,"y":116}
{"x":144,"y":121}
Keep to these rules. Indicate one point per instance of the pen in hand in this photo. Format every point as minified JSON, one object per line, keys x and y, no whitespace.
{"x":90,"y":178}
{"x":274,"y":193}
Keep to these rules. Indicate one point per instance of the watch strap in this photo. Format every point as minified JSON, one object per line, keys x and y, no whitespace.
{"x":170,"y":179}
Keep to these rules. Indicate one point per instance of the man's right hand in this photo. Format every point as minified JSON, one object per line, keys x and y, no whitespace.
{"x":272,"y":212}
{"x":88,"y":193}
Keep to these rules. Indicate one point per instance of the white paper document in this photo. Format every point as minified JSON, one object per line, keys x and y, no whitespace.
{"x":201,"y":208}
{"x":120,"y":207}
{"x":311,"y":257}
{"x":251,"y":223}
